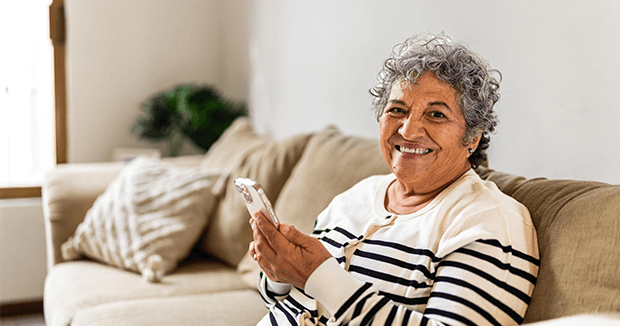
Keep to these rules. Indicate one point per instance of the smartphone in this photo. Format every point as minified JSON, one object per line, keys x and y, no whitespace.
{"x":255,"y":199}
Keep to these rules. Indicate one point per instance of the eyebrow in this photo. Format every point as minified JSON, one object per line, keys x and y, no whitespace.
{"x":398,"y":102}
{"x":441,"y":104}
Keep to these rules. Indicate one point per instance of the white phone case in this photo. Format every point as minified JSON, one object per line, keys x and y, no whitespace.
{"x":255,"y":198}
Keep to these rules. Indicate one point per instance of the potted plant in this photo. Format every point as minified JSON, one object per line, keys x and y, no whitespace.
{"x":187,"y":112}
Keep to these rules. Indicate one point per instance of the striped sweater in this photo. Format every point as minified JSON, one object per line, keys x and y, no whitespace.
{"x":470,"y":257}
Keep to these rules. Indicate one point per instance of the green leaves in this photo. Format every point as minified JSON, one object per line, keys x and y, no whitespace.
{"x":194,"y":112}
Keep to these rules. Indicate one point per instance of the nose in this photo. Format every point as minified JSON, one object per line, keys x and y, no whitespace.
{"x":412,"y":129}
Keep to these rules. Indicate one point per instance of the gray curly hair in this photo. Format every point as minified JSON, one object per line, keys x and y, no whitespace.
{"x":467,"y":72}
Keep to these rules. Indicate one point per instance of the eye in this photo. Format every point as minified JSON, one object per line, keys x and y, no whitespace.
{"x":437,"y":114}
{"x":396,"y":111}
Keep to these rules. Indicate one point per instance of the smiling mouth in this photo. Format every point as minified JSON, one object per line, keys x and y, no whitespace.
{"x":408,"y":150}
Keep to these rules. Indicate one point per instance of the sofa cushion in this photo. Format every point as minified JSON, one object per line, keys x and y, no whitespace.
{"x":331,"y":163}
{"x":603,"y":319}
{"x":239,"y":308}
{"x":240,"y":152}
{"x":74,"y":286}
{"x":577,"y":225}
{"x":147,"y":220}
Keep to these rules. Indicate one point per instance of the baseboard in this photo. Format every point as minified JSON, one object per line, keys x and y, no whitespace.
{"x":21,"y":308}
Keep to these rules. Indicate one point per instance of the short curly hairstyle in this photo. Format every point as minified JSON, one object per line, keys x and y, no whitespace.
{"x":476,"y":84}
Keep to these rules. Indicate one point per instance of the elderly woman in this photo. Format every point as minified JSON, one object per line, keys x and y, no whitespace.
{"x":429,"y":244}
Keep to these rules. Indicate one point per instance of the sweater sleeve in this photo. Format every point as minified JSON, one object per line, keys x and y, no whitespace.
{"x":272,"y":292}
{"x":482,"y":283}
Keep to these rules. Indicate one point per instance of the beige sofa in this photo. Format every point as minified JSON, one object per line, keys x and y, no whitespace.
{"x":578,"y":226}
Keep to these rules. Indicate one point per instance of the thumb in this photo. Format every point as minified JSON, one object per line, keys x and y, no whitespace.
{"x":291,"y":234}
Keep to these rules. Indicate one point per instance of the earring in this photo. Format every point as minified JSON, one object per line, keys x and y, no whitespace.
{"x":470,"y":150}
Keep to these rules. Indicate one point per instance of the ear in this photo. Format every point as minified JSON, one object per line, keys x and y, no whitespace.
{"x":474,"y":143}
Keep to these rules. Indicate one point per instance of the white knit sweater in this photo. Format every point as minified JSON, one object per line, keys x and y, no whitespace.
{"x":470,"y":257}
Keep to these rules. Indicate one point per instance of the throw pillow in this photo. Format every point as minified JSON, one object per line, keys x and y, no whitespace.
{"x":147,"y":220}
{"x":331,"y":163}
{"x":240,"y":152}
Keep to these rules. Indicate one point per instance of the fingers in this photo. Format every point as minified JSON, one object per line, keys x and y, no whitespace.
{"x":262,"y":263}
{"x":269,"y":231}
{"x":261,"y":250}
{"x":285,"y":254}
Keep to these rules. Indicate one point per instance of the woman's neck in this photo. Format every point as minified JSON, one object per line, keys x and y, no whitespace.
{"x":403,"y":200}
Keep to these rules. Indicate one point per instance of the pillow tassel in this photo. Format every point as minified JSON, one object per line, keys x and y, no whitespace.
{"x":152,"y":273}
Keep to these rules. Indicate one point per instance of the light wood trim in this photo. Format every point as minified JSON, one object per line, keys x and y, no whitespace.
{"x":20,"y":192}
{"x":58,"y":36}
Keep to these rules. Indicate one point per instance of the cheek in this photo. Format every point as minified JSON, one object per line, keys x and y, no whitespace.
{"x":449,"y":139}
{"x":385,"y":134}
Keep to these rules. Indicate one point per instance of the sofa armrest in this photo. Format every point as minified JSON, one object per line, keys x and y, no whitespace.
{"x":69,"y":192}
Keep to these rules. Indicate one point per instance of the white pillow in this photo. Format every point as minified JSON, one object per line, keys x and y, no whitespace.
{"x":147,"y":220}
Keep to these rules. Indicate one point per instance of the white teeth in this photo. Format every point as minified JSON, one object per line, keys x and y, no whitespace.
{"x":413,"y":150}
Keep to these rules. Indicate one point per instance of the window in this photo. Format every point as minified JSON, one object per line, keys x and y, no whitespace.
{"x":27,"y":128}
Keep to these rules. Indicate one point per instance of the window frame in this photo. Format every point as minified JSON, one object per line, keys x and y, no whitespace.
{"x":58,"y":37}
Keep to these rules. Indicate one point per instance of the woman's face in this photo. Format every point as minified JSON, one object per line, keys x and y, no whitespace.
{"x":420,"y":133}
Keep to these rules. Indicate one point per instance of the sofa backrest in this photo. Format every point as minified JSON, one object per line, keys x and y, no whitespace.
{"x":578,"y":225}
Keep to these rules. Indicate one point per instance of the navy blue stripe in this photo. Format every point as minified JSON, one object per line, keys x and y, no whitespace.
{"x":405,"y":300}
{"x":292,"y":307}
{"x":387,"y":277}
{"x":467,"y":303}
{"x":320,"y":231}
{"x":398,"y":246}
{"x":272,"y":319}
{"x":352,"y":299}
{"x":424,"y":321}
{"x":345,"y":233}
{"x":267,"y":302}
{"x":288,"y":316}
{"x":514,"y":291}
{"x":391,"y":316}
{"x":507,"y":310}
{"x":304,"y":293}
{"x":432,"y":311}
{"x":373,"y":311}
{"x":331,"y":242}
{"x":515,"y":271}
{"x":506,"y":249}
{"x":323,"y":320}
{"x":341,"y":260}
{"x":271,"y":295}
{"x":359,"y":307}
{"x":406,"y":317}
{"x":395,"y":262}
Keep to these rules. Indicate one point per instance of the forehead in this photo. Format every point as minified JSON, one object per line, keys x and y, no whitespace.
{"x":427,"y":85}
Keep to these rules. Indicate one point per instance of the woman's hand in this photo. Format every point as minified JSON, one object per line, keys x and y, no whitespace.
{"x":285,"y":255}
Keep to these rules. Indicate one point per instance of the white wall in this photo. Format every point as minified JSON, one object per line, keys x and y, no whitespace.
{"x":119,"y":53}
{"x":312,"y":63}
{"x":304,"y":64}
{"x":22,"y":248}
